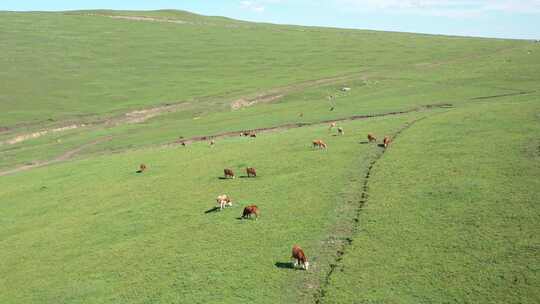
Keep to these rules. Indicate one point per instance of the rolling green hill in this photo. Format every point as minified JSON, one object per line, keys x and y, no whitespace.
{"x":446,"y":214}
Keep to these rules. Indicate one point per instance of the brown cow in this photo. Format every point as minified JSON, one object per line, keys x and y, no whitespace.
{"x":386,"y":141}
{"x":142,"y":168}
{"x":299,"y":257}
{"x":223,"y":201}
{"x":332,"y":125}
{"x":319,"y":144}
{"x":228,"y":173}
{"x":371,"y":137}
{"x":249,"y":211}
{"x":251,"y":172}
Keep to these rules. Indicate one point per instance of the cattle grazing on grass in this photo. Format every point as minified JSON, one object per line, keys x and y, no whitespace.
{"x":340,"y":131}
{"x":245,"y":133}
{"x":228,"y":173}
{"x":249,"y":211}
{"x":386,"y":141}
{"x":332,"y":125}
{"x":252,"y":135}
{"x":299,"y":257}
{"x":371,"y":138}
{"x":142,"y":168}
{"x":251,"y":172}
{"x":319,"y":144}
{"x":223,"y":201}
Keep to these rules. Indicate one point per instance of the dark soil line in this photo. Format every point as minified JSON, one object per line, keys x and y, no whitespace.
{"x":342,"y":247}
{"x":305,"y":124}
{"x":503,"y":95}
{"x":63,"y":157}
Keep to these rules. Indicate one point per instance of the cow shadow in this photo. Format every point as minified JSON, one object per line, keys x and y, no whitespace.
{"x":139,"y":171}
{"x":245,"y":176}
{"x":224,"y":178}
{"x":380,"y":145}
{"x":282,"y":265}
{"x":215,"y":209}
{"x":364,"y":142}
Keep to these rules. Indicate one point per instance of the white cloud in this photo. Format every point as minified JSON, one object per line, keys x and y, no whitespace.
{"x":254,"y":6}
{"x":452,"y":8}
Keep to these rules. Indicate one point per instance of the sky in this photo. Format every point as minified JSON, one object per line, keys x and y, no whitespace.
{"x":518,"y":19}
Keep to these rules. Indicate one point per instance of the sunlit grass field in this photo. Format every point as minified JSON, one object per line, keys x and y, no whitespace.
{"x":446,"y":214}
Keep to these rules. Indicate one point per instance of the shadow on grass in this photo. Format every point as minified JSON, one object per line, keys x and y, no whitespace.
{"x":380,"y":145}
{"x":245,"y":176}
{"x":222,"y":177}
{"x":282,"y":265}
{"x":212,"y":210}
{"x":364,"y":142}
{"x":139,"y":171}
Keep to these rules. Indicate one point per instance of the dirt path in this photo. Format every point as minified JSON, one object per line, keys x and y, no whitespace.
{"x":304,"y":124}
{"x":61,"y":158}
{"x":71,"y":153}
{"x":142,"y":115}
{"x":280,"y":92}
{"x":342,"y":246}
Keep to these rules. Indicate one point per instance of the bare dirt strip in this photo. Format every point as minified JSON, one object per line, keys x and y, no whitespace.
{"x":345,"y":242}
{"x":142,"y":115}
{"x":69,"y":154}
{"x":304,"y":124}
{"x":61,"y":158}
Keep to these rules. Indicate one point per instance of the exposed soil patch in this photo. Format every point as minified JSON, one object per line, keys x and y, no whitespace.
{"x":278,"y":93}
{"x":142,"y":115}
{"x":503,"y":95}
{"x":303,"y":124}
{"x":63,"y":157}
{"x":343,"y":244}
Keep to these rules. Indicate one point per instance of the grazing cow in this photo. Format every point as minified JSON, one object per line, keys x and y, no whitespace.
{"x":252,"y":135}
{"x":340,"y":131}
{"x":142,"y":168}
{"x":319,"y":144}
{"x":223,"y":201}
{"x":245,"y":133}
{"x":386,"y":141}
{"x":183,"y":144}
{"x":299,"y":257}
{"x":371,"y":137}
{"x":332,"y":125}
{"x":228,"y":173}
{"x":251,"y":172}
{"x":249,"y":211}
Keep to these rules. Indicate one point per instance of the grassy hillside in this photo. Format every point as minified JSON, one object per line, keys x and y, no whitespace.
{"x":93,"y":64}
{"x":452,"y":213}
{"x":446,"y":214}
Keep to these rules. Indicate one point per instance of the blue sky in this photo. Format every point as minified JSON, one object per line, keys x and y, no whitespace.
{"x":487,"y":18}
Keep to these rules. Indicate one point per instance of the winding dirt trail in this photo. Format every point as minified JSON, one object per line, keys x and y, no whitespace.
{"x":61,"y":158}
{"x":144,"y":114}
{"x":341,"y":247}
{"x":71,"y":153}
{"x":305,"y":124}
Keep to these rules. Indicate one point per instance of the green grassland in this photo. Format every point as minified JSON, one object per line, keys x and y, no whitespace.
{"x":447,"y":214}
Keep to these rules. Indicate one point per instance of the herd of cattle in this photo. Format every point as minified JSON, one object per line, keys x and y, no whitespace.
{"x":223,"y":200}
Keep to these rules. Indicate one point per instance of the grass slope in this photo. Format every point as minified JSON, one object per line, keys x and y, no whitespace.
{"x":95,"y":231}
{"x":452,"y":213}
